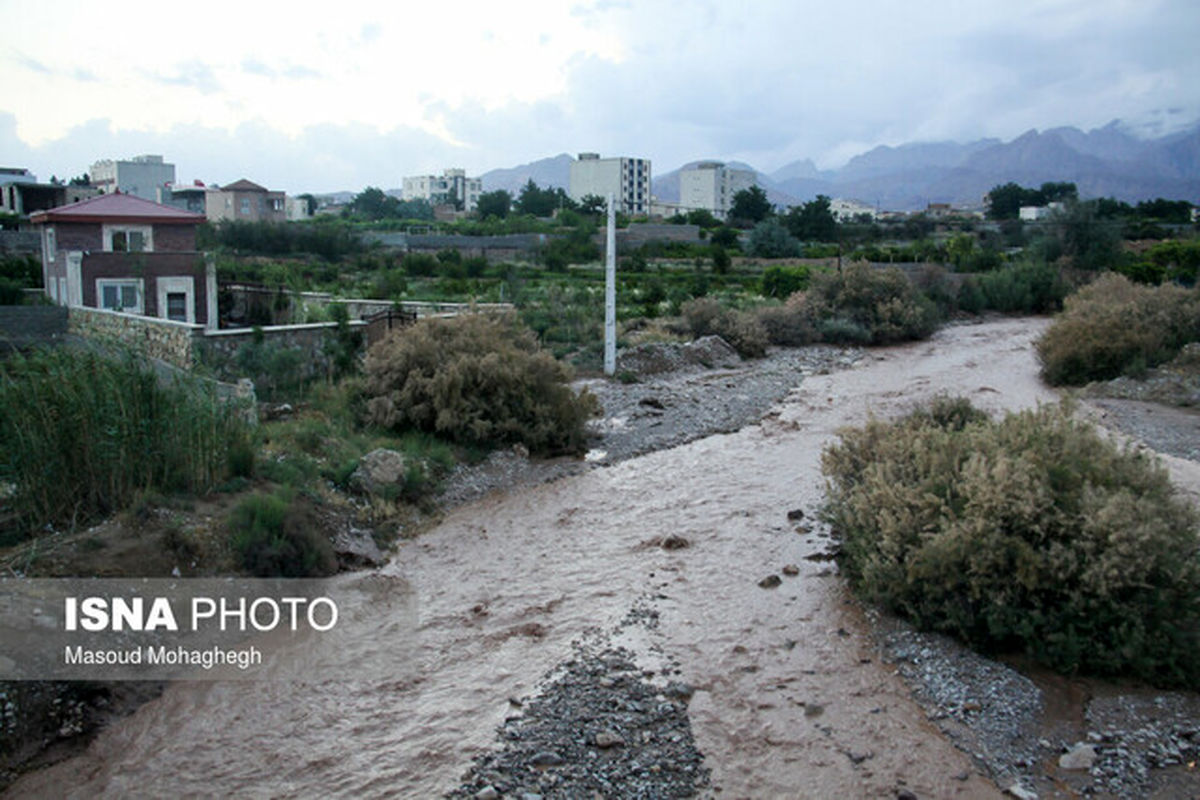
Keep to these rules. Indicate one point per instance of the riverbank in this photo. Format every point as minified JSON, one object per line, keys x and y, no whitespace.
{"x":685,"y":569}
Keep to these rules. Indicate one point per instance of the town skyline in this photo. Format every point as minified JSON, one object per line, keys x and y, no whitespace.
{"x":321,"y":103}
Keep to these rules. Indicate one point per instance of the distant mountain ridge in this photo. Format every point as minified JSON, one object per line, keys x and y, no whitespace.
{"x":548,"y":173}
{"x":1103,"y":162}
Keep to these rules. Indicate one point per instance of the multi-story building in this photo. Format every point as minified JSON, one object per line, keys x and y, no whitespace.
{"x":21,"y":194}
{"x":140,"y":176}
{"x":711,"y":186}
{"x":189,"y":198}
{"x":122,"y":253}
{"x":628,"y":179}
{"x":245,"y":200}
{"x":452,"y":187}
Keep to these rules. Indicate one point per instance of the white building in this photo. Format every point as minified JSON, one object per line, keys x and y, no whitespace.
{"x":710,"y":185}
{"x":141,"y":176}
{"x":452,"y":187}
{"x":1038,"y":213}
{"x":845,"y":210}
{"x":626,"y":178}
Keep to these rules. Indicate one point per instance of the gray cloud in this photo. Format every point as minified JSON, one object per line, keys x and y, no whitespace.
{"x":190,"y":75}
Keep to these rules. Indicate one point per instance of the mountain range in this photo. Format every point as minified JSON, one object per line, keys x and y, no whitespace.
{"x":1103,"y":162}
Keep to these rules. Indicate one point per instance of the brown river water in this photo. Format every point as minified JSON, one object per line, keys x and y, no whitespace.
{"x":787,"y":685}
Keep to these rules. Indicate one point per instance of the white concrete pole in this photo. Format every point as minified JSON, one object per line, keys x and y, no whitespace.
{"x":610,"y":290}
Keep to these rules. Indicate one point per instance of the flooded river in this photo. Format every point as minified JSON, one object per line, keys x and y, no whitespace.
{"x":790,"y":700}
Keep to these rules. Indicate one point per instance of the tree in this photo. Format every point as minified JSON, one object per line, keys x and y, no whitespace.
{"x":770,"y":239}
{"x":372,"y":203}
{"x":703,"y":217}
{"x":541,"y":202}
{"x":310,"y":203}
{"x":1090,"y":242}
{"x":724,"y":236}
{"x":812,"y":221}
{"x":750,"y":206}
{"x":81,"y":180}
{"x":593,"y":204}
{"x":494,"y":204}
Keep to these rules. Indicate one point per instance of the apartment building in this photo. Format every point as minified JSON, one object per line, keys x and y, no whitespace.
{"x":140,"y":176}
{"x":710,"y":185}
{"x":626,"y":178}
{"x":452,"y":187}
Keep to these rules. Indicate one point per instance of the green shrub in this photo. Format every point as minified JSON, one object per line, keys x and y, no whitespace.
{"x":1033,"y":533}
{"x":274,"y":536}
{"x":81,"y":435}
{"x":1031,"y":287}
{"x":782,"y":282}
{"x":476,"y":379}
{"x":881,"y":302}
{"x":1113,"y":327}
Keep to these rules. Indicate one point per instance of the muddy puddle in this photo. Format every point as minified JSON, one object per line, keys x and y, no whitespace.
{"x":790,"y":699}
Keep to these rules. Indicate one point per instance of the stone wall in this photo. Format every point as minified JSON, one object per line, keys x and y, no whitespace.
{"x":169,"y":341}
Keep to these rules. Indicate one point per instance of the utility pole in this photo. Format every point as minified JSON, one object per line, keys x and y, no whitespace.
{"x":610,"y":290}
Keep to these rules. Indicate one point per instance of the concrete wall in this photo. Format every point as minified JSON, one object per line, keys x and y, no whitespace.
{"x":156,"y":338}
{"x":218,"y":349}
{"x":22,"y":326}
{"x":20,"y":243}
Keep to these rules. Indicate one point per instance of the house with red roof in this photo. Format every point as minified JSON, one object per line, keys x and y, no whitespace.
{"x":123,"y":253}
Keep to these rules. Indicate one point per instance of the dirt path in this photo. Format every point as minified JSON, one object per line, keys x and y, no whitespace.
{"x":790,"y":700}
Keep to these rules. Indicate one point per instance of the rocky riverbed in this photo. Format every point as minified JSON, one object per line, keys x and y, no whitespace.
{"x":668,"y":611}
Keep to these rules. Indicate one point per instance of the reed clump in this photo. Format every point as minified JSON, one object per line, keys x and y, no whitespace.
{"x":83,"y":434}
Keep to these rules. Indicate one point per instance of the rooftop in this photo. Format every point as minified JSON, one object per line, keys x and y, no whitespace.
{"x":117,"y":207}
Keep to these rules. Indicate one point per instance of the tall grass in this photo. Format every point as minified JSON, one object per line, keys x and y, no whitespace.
{"x":81,"y":434}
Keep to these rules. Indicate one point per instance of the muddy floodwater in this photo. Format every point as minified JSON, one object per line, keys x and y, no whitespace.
{"x":790,"y":699}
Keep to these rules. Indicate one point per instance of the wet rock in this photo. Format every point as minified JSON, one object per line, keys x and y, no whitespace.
{"x":578,"y":718}
{"x":905,"y":794}
{"x":546,"y":759}
{"x":487,"y":793}
{"x":1020,"y":792}
{"x":356,"y":548}
{"x":679,"y":691}
{"x":1081,"y":756}
{"x":795,"y":515}
{"x":770,"y":582}
{"x":606,"y":739}
{"x":379,"y":468}
{"x":791,"y":570}
{"x":674,"y":542}
{"x":652,"y":402}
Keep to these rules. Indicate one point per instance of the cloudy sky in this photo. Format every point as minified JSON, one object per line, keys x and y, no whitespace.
{"x":340,"y":95}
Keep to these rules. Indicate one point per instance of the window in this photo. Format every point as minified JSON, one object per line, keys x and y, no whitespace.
{"x":128,"y":238}
{"x":128,"y":242}
{"x":51,"y":246}
{"x":246,"y":206}
{"x":177,"y":306}
{"x":120,"y":295}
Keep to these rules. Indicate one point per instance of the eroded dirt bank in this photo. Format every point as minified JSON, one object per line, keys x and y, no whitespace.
{"x":788,"y":697}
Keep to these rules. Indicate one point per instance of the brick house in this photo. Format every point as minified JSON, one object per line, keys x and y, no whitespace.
{"x":123,"y":253}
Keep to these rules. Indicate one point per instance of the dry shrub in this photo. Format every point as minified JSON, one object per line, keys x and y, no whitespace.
{"x":742,"y":330}
{"x":789,"y":325}
{"x":1033,"y":532}
{"x":1113,"y":327}
{"x":476,"y":379}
